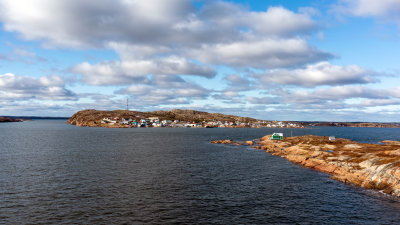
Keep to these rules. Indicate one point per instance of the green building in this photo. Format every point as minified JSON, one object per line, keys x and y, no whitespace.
{"x":277,"y":136}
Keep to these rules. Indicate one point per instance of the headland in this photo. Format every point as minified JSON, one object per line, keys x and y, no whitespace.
{"x":374,"y":166}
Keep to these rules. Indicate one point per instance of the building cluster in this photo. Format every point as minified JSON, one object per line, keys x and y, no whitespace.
{"x":283,"y":124}
{"x":156,"y":122}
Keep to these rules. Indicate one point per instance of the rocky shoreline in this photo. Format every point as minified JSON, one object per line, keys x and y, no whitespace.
{"x":374,"y":166}
{"x":8,"y":119}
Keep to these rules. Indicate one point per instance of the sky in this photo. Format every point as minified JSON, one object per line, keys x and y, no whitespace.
{"x":309,"y":60}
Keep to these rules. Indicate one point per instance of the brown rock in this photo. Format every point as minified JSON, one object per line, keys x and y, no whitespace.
{"x":249,"y":142}
{"x":222,"y":142}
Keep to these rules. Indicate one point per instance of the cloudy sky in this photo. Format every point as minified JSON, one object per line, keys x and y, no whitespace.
{"x":327,"y":60}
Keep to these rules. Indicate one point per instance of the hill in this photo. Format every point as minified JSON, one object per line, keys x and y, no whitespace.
{"x":93,"y":118}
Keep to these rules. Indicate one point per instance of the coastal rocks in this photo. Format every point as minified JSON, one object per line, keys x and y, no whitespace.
{"x":375,"y":166}
{"x":249,"y":142}
{"x":222,"y":142}
{"x":227,"y":141}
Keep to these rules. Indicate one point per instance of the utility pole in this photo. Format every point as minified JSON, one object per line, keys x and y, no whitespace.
{"x":127,"y":104}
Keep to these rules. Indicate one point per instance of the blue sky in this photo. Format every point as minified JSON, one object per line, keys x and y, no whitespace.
{"x":311,"y":60}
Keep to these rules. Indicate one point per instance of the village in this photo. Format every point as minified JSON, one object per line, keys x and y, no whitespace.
{"x":156,"y":122}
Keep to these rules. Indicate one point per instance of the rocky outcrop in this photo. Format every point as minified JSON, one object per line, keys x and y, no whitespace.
{"x":226,"y":142}
{"x":375,"y":166}
{"x":249,"y":142}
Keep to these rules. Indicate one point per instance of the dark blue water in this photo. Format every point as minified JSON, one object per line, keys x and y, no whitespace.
{"x":53,"y":173}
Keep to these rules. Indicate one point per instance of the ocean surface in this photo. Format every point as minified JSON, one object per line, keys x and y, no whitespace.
{"x":54,"y":173}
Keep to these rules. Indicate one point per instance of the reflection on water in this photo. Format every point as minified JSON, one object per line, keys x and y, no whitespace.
{"x":51,"y":173}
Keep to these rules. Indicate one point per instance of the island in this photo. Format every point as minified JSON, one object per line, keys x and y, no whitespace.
{"x":173,"y":118}
{"x":8,"y":119}
{"x":374,"y":166}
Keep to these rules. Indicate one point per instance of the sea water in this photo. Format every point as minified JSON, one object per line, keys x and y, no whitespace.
{"x":55,"y":173}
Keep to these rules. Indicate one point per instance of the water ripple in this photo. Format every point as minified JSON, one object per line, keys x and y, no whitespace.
{"x":52,"y":173}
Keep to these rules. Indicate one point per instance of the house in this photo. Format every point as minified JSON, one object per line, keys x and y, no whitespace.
{"x":193,"y":125}
{"x":144,"y":123}
{"x":165,"y":123}
{"x":277,"y":136}
{"x":124,"y":122}
{"x":156,"y":124}
{"x":154,"y":120}
{"x":108,"y":120}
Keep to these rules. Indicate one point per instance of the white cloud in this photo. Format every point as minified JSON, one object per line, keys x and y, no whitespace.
{"x":385,"y":10}
{"x":263,"y":100}
{"x":218,"y":33}
{"x":338,"y":93}
{"x":275,"y":21}
{"x":89,"y":23}
{"x":130,"y":71}
{"x":395,"y":92}
{"x":165,"y":90}
{"x":338,"y":97}
{"x":238,"y":83}
{"x":14,"y":87}
{"x":378,"y":102}
{"x":260,"y":53}
{"x":160,"y":42}
{"x":322,"y":73}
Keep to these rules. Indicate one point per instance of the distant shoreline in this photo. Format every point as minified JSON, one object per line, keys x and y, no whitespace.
{"x":36,"y":117}
{"x":9,"y":120}
{"x":352,"y":124}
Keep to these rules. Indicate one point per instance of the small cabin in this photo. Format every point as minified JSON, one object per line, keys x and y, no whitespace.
{"x":332,"y":138}
{"x":277,"y":136}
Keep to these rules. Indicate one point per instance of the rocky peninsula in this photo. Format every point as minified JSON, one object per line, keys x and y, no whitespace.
{"x":374,"y":166}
